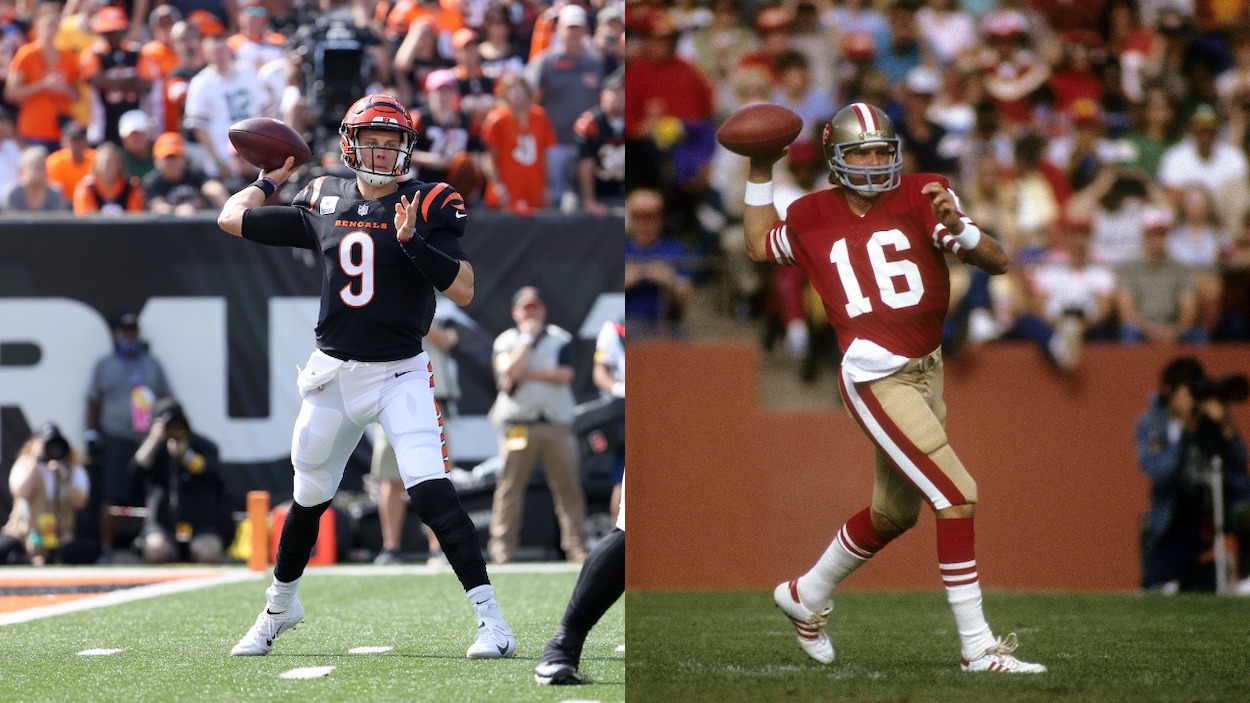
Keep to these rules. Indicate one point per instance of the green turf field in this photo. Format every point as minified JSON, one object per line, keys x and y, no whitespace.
{"x":175,"y":647}
{"x":736,"y":647}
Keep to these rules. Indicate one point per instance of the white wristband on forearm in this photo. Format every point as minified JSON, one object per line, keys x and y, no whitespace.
{"x":970,"y":237}
{"x":759,"y":193}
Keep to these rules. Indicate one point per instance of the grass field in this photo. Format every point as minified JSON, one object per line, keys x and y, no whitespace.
{"x":894,"y":647}
{"x":175,"y":647}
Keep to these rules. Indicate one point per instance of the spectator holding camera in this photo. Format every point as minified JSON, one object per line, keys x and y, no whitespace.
{"x":182,"y":484}
{"x":49,"y":486}
{"x":1187,"y":426}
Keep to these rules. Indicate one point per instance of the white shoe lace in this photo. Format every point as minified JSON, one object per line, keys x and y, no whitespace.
{"x":1005,"y":646}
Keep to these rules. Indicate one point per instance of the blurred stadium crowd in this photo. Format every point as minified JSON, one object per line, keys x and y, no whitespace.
{"x":126,"y":107}
{"x":1102,"y":142}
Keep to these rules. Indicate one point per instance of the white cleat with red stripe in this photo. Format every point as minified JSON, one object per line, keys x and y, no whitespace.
{"x":998,"y":659}
{"x":809,"y":627}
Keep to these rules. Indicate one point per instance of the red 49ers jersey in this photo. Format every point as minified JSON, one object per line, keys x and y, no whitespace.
{"x":882,"y":277}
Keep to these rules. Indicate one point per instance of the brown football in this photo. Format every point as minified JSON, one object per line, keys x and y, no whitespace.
{"x":759,"y":130}
{"x":265,"y":142}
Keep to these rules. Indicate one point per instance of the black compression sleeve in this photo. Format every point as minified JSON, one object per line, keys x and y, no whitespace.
{"x":438,"y":267}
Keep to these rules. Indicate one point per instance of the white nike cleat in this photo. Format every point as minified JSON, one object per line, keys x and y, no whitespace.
{"x":998,"y":659}
{"x":809,"y":627}
{"x":259,"y":640}
{"x":494,"y":640}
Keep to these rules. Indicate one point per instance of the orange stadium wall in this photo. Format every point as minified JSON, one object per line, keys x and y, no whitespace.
{"x":724,"y":494}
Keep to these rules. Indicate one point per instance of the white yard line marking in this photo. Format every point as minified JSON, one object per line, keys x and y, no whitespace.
{"x":227,"y":575}
{"x":307,"y":672}
{"x":369,"y":650}
{"x":125,"y":596}
{"x":98,"y":652}
{"x":621,"y":649}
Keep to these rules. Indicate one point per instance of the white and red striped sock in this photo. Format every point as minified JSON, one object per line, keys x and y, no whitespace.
{"x":958,"y":564}
{"x":853,"y":546}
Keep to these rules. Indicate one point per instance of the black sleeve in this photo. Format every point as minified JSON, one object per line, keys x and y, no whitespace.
{"x":443,"y":209}
{"x":279,"y":226}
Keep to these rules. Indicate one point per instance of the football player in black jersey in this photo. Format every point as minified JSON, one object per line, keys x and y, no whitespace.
{"x":385,"y":247}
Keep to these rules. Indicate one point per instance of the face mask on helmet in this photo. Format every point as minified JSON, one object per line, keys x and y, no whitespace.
{"x":376,"y":112}
{"x":862,"y":126}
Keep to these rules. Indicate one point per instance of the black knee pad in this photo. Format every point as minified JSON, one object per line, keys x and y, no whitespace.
{"x":439,"y":506}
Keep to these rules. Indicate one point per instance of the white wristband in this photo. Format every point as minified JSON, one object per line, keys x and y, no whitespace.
{"x":970,"y":237}
{"x":524,"y":339}
{"x":759,"y":193}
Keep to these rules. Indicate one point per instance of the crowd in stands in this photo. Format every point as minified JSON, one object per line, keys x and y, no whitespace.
{"x":1103,"y":143}
{"x":126,"y":107}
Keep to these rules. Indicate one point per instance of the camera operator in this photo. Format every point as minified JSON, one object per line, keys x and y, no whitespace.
{"x":49,"y":485}
{"x":1186,"y":427}
{"x":182,"y":482}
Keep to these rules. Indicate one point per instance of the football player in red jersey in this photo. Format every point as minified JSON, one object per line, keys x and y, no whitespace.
{"x":384,"y":248}
{"x":874,"y":249}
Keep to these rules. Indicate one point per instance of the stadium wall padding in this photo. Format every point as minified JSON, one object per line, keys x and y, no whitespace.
{"x":85,"y":271}
{"x":724,"y":494}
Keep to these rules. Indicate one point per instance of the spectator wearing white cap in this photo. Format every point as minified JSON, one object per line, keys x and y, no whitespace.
{"x":924,"y":140}
{"x":1203,"y":159}
{"x":134,"y":128}
{"x":566,"y":77}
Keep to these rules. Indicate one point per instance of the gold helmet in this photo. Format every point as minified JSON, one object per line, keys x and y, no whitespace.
{"x":862,"y":125}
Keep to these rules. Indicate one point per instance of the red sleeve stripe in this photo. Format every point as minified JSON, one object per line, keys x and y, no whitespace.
{"x":429,"y":199}
{"x":454,"y":200}
{"x":943,"y":239}
{"x":779,"y":245}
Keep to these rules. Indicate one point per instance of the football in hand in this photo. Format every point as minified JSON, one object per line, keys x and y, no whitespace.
{"x":266,"y":143}
{"x":762,"y":129}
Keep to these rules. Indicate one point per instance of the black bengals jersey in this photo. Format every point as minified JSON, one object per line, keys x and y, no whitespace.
{"x":444,"y":140}
{"x":375,"y":304}
{"x":604,"y":142}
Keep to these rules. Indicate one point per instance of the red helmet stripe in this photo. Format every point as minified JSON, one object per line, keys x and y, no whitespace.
{"x":867,"y":120}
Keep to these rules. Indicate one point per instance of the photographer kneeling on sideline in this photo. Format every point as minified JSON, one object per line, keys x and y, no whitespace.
{"x":1184,"y":437}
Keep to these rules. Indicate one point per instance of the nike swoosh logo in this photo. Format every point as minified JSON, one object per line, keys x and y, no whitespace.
{"x":401,"y":373}
{"x":460,"y":214}
{"x":481,"y":624}
{"x":270,"y":612}
{"x":481,"y":602}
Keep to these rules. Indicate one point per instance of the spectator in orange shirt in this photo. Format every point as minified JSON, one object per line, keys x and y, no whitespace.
{"x":160,"y":52}
{"x":118,"y":75}
{"x":68,"y":165}
{"x":254,"y":45}
{"x":185,"y":39}
{"x":517,"y":135}
{"x":42,"y":82}
{"x":108,"y":189}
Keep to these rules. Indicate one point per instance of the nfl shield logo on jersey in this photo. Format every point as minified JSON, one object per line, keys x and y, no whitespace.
{"x":362,"y":210}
